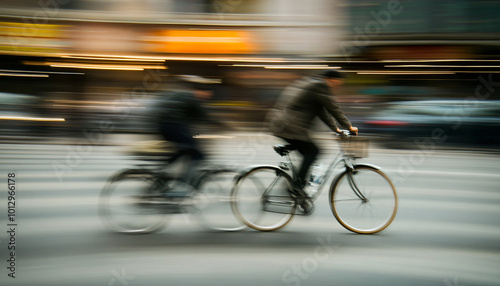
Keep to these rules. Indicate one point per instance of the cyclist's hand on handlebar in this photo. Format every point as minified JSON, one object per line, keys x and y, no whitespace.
{"x":353,"y":130}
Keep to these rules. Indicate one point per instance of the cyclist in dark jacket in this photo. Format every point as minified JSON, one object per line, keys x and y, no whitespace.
{"x":178,"y":111}
{"x":295,"y":111}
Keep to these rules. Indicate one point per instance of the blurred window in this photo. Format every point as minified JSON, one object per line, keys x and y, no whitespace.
{"x":191,"y":6}
{"x":424,"y":16}
{"x":217,"y":6}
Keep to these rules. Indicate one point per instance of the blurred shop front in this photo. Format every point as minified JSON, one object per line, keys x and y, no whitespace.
{"x":89,"y":60}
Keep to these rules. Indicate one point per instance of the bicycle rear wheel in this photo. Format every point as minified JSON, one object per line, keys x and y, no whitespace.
{"x":364,"y":200}
{"x":213,"y":200}
{"x":261,"y":200}
{"x":125,"y":202}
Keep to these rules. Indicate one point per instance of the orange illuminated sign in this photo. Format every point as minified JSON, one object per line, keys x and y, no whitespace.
{"x":201,"y":42}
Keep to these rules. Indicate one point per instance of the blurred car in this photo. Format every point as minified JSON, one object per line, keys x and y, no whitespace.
{"x":406,"y":124}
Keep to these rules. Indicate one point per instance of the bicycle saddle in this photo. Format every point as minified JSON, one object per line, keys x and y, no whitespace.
{"x":283,"y":150}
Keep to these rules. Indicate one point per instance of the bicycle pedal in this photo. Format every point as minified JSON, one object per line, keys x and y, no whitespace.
{"x":306,"y":206}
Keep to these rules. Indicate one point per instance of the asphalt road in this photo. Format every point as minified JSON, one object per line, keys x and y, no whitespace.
{"x":447,"y":230}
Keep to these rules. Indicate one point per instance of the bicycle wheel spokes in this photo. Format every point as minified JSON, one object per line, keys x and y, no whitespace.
{"x":213,"y":202}
{"x":364,"y":201}
{"x":261,"y":199}
{"x":126,"y":204}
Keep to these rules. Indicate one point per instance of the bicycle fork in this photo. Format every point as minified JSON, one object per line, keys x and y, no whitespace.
{"x":352,"y":182}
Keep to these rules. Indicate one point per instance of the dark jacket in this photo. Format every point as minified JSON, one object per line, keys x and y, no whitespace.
{"x":180,"y":107}
{"x":300,"y":104}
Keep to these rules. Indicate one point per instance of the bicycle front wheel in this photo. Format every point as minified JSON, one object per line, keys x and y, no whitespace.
{"x":261,"y":198}
{"x":364,"y":200}
{"x":125,"y":202}
{"x":213,"y":201}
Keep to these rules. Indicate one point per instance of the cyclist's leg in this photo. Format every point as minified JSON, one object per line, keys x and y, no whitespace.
{"x":193,"y":165}
{"x":309,"y":152}
{"x":169,"y":132}
{"x":180,"y":134}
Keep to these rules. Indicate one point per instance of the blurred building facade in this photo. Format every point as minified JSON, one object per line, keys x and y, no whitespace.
{"x":266,"y":27}
{"x":91,"y":59}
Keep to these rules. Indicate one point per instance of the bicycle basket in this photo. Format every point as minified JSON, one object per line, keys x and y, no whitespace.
{"x":354,"y":146}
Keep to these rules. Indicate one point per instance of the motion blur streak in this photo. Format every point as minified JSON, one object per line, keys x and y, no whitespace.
{"x":30,"y":118}
{"x":79,"y":87}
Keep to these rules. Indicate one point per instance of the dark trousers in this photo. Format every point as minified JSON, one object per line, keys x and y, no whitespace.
{"x":180,"y":134}
{"x":309,"y":152}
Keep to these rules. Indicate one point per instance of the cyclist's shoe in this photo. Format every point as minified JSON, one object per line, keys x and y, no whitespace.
{"x":298,"y":190}
{"x":299,"y":194}
{"x":305,"y":203}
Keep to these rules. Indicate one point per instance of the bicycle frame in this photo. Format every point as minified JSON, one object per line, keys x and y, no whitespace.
{"x":327,"y":175}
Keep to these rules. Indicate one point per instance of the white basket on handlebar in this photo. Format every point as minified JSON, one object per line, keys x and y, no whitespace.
{"x":354,"y":146}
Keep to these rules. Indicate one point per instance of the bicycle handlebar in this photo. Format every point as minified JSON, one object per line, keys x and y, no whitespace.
{"x":345,"y":133}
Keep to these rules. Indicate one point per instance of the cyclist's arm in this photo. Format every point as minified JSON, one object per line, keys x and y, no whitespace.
{"x":328,"y":120}
{"x":330,"y":107}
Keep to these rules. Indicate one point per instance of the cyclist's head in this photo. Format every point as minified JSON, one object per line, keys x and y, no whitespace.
{"x":196,"y":82}
{"x":200,"y":85}
{"x":333,"y":77}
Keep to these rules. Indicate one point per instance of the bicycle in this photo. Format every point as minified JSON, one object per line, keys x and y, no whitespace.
{"x":137,"y":200}
{"x":362,"y":197}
